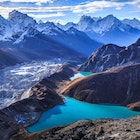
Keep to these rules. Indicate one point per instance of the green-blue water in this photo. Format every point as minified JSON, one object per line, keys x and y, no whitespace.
{"x":84,"y":73}
{"x":75,"y":110}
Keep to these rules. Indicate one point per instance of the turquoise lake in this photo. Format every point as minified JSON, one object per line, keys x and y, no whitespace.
{"x":75,"y":110}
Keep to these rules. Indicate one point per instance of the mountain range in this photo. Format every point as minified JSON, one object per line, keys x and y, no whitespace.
{"x":108,"y":29}
{"x":23,"y":39}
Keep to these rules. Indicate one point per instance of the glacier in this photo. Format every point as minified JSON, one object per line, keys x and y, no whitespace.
{"x":16,"y":81}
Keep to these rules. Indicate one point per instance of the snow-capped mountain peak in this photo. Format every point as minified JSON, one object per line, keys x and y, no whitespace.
{"x":20,"y":21}
{"x":108,"y":22}
{"x":135,"y":23}
{"x":86,"y":18}
{"x":85,"y":23}
{"x":108,"y":29}
{"x":48,"y":28}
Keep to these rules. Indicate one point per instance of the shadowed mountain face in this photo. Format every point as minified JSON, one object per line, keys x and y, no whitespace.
{"x":38,"y":47}
{"x":7,"y":59}
{"x":111,"y":55}
{"x":26,"y":40}
{"x":117,"y":86}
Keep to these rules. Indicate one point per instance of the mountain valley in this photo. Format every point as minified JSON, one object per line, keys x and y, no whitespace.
{"x":42,"y":64}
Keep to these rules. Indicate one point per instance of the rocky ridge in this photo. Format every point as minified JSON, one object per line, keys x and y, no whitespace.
{"x":103,"y":129}
{"x":111,"y":55}
{"x":42,"y":97}
{"x":116,"y":86}
{"x":108,"y":29}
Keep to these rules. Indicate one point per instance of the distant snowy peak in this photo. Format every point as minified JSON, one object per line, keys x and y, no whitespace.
{"x":85,"y":18}
{"x":98,"y":25}
{"x":108,"y":23}
{"x":21,"y":21}
{"x":48,"y":28}
{"x":135,"y":23}
{"x":21,"y":25}
{"x":85,"y":23}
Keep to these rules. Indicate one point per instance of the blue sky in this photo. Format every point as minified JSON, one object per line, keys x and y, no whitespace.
{"x":71,"y":10}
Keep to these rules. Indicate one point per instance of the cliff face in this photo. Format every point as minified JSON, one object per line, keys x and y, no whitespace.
{"x":111,"y":55}
{"x":117,"y":86}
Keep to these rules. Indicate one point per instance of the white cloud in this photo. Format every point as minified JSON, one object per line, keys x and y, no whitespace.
{"x":38,"y":1}
{"x":134,"y":2}
{"x":88,"y":7}
{"x":42,"y":16}
{"x":92,"y":7}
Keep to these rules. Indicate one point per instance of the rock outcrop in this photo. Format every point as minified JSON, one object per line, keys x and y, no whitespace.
{"x":111,"y":55}
{"x":103,"y":129}
{"x":116,"y":86}
{"x":134,"y":106}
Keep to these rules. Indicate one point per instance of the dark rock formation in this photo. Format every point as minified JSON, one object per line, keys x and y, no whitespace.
{"x":134,"y":106}
{"x":103,"y":129}
{"x":111,"y":55}
{"x":117,"y":86}
{"x":7,"y":59}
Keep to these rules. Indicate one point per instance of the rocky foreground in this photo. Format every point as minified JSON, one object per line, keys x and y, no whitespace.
{"x":44,"y":95}
{"x":103,"y":129}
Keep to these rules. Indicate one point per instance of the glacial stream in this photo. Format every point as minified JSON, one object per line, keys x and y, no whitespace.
{"x":15,"y":81}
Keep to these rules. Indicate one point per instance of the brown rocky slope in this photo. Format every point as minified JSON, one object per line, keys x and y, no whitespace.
{"x":42,"y":97}
{"x":103,"y":129}
{"x":117,"y":86}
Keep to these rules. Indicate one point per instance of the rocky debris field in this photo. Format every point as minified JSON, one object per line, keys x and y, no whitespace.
{"x":102,"y":129}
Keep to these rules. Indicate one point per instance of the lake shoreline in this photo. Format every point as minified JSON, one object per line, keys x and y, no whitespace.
{"x":78,"y":110}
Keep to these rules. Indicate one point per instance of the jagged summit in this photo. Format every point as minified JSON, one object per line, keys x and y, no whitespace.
{"x":135,"y":23}
{"x":20,"y":19}
{"x":86,"y":18}
{"x":111,"y":55}
{"x":108,"y":29}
